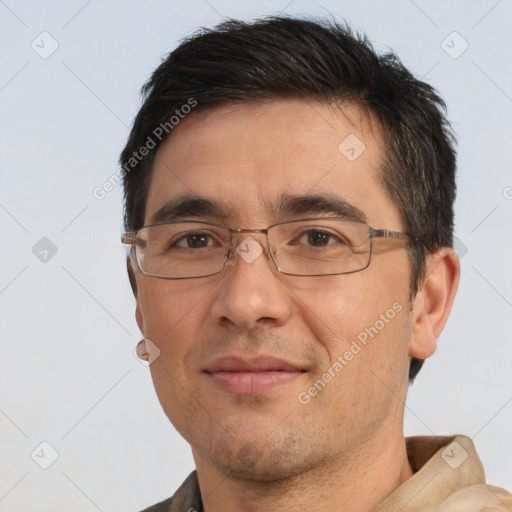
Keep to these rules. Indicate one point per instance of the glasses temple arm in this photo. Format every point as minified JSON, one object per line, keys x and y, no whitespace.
{"x":128,"y":238}
{"x":395,"y":235}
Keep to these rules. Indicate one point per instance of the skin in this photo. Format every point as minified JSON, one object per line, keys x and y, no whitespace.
{"x":345,"y":449}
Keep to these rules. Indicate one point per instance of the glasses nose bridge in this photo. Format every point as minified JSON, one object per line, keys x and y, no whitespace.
{"x":236,"y":232}
{"x":239,"y":235}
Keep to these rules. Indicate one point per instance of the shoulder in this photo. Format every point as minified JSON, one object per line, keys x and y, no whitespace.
{"x":163,"y":506}
{"x":479,"y":497}
{"x":186,"y":499}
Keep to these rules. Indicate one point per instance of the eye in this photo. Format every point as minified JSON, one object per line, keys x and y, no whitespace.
{"x":319,"y":238}
{"x":194,"y":240}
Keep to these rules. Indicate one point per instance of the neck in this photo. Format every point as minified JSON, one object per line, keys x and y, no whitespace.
{"x":354,"y":482}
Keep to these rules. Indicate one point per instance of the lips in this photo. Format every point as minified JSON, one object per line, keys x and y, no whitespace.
{"x":252,"y":376}
{"x":257,"y":364}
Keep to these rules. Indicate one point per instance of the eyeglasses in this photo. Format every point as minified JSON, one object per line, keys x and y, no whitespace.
{"x":307,"y":247}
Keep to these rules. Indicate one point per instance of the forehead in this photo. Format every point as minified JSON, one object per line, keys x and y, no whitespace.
{"x":249,"y":155}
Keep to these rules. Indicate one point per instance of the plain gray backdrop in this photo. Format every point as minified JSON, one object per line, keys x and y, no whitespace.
{"x":70,"y":76}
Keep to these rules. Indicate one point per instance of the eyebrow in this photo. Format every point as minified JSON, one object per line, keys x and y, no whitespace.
{"x":325,"y":204}
{"x":286,"y":206}
{"x":189,"y":208}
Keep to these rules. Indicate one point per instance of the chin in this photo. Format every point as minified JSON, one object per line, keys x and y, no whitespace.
{"x":266,"y":462}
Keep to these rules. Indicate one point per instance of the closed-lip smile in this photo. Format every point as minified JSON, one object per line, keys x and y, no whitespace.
{"x":242,"y":375}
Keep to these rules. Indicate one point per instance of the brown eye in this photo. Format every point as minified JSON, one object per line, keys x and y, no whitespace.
{"x":194,"y":241}
{"x":318,"y":238}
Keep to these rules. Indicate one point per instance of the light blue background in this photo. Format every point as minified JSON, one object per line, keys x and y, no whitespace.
{"x":68,"y":375}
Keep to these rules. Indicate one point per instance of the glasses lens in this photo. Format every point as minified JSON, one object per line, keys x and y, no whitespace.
{"x":181,"y":249}
{"x":320,"y":246}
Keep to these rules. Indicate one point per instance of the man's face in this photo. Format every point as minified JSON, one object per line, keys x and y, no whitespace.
{"x":224,"y":338}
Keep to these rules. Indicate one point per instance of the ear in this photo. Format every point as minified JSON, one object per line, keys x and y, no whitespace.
{"x":433,"y":302}
{"x":131,"y":276}
{"x":139,"y":318}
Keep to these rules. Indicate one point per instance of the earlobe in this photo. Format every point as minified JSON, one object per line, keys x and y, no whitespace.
{"x":433,"y":302}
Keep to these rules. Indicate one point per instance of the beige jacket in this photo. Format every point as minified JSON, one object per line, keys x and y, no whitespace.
{"x":448,"y":477}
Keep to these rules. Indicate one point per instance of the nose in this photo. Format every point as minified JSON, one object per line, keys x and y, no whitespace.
{"x":252,"y":293}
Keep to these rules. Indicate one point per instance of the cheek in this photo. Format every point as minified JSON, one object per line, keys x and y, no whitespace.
{"x":171,"y":312}
{"x":364,"y":337}
{"x":339,"y":309}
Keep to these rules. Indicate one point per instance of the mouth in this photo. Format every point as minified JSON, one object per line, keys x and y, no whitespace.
{"x":252,"y":376}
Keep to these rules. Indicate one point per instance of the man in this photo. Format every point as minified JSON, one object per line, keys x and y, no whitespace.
{"x":289,"y":205}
